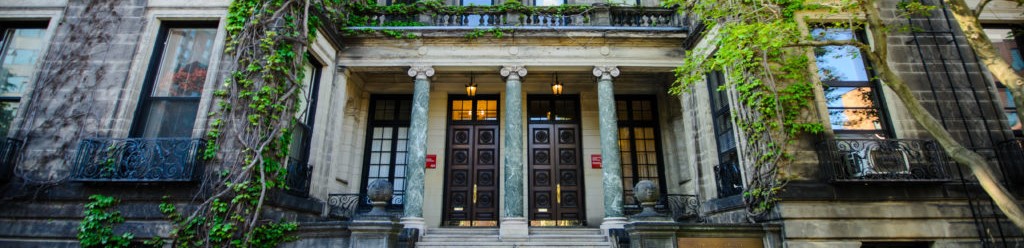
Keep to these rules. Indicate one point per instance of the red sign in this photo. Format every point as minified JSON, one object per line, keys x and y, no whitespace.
{"x":431,"y":161}
{"x":595,"y":161}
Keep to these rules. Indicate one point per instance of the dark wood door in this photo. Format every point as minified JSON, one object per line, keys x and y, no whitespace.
{"x":556,"y":182}
{"x":471,"y":186}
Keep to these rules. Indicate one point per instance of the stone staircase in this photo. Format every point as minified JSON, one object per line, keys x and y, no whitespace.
{"x":539,"y":237}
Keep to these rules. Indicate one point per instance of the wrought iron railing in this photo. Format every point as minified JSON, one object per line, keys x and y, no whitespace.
{"x":1011,"y":160}
{"x":8,"y":156}
{"x":137,"y":160}
{"x":678,"y":206}
{"x":347,"y":206}
{"x":298,"y":178}
{"x":480,"y":16}
{"x":728,"y":179}
{"x":883,"y":160}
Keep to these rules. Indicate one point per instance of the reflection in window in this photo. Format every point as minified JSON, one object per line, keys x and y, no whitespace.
{"x":172,"y":92}
{"x":551,"y":109}
{"x":1009,"y":48}
{"x":850,"y":94}
{"x":20,"y":47}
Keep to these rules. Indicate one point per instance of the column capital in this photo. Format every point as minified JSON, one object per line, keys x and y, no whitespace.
{"x":421,"y":70}
{"x":606,"y":70}
{"x":513,"y":70}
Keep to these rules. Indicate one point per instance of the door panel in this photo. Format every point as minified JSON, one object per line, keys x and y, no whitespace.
{"x":554,"y":170}
{"x":471,"y":191}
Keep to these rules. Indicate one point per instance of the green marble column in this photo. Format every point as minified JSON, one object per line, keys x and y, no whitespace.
{"x":413,"y":212}
{"x":610,"y":157}
{"x":513,"y":149}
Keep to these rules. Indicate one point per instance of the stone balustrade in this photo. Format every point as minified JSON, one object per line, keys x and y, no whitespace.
{"x":627,"y":17}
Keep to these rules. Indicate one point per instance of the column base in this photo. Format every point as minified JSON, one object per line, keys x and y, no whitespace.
{"x":613,"y":223}
{"x":414,"y":222}
{"x":514,"y":228}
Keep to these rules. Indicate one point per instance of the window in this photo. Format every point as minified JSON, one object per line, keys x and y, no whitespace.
{"x":852,"y":97}
{"x":20,"y":48}
{"x":548,"y":2}
{"x":638,"y":144}
{"x":299,"y":171}
{"x":727,"y":172}
{"x":386,"y":144}
{"x":1008,"y":43}
{"x":174,"y":83}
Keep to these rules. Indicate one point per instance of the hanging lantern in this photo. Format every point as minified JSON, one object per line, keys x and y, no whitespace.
{"x":471,"y":87}
{"x":556,"y":87}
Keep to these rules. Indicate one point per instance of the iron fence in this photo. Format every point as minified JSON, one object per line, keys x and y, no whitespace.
{"x":8,"y":156}
{"x":680,"y":207}
{"x":137,"y":160}
{"x":347,"y":206}
{"x":883,"y":160}
{"x":298,"y":178}
{"x":728,"y":179}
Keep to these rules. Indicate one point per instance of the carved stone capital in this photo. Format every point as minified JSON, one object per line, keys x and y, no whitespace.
{"x":421,"y":70}
{"x":513,"y":70}
{"x":606,"y":70}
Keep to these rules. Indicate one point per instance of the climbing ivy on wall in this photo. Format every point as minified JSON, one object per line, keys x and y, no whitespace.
{"x":751,"y":43}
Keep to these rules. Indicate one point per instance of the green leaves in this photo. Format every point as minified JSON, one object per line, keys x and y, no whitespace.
{"x":98,"y":223}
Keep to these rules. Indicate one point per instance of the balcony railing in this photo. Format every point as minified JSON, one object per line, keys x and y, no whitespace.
{"x":480,"y":16}
{"x":728,"y":179}
{"x":347,"y":206}
{"x":678,"y":206}
{"x":1011,"y":160}
{"x":8,"y":156}
{"x":298,"y":178}
{"x":137,"y":160}
{"x":883,"y":160}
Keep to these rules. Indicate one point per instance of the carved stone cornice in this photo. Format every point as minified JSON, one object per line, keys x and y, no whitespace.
{"x":602,"y":71}
{"x":418,"y":71}
{"x":513,"y":70}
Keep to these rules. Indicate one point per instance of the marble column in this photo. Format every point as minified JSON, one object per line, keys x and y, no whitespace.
{"x":513,"y":223}
{"x":417,"y":156}
{"x":610,"y":157}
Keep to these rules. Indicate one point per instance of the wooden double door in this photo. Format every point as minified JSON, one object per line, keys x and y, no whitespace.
{"x":472,"y":175}
{"x":554,"y":166}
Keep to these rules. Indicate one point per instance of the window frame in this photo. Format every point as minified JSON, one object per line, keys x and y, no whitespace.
{"x":145,"y":102}
{"x":309,"y":124}
{"x":873,"y":83}
{"x":30,"y":81}
{"x":630,"y":123}
{"x":999,"y":86}
{"x":715,"y":80}
{"x":372,"y":123}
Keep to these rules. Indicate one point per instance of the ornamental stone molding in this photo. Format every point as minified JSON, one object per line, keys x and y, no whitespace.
{"x":421,"y":70}
{"x":606,"y":70}
{"x":513,"y":70}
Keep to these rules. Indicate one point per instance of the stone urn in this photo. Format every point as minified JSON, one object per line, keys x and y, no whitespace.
{"x":647,"y":193}
{"x":380,"y":193}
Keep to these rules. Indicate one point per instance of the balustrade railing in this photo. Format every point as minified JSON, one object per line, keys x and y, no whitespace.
{"x":137,"y":160}
{"x":1011,"y":160}
{"x":347,"y":206}
{"x":298,"y":178}
{"x":480,"y":16}
{"x":679,"y":207}
{"x":728,"y":180}
{"x":8,"y":156}
{"x":883,"y":160}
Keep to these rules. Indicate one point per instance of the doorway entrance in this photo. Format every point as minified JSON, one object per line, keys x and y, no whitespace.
{"x":555,"y":169}
{"x":471,"y":175}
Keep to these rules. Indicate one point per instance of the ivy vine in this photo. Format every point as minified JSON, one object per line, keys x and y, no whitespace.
{"x":97,"y":227}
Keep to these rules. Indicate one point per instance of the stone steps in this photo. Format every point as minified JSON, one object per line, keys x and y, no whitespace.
{"x":488,"y":237}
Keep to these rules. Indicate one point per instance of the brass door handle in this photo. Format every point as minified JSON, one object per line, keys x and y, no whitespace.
{"x":474,"y":193}
{"x":558,"y":193}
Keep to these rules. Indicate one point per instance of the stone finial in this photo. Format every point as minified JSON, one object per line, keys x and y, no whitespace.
{"x":647,"y":193}
{"x":513,"y":70}
{"x":380,"y":193}
{"x":606,"y":71}
{"x":421,"y":71}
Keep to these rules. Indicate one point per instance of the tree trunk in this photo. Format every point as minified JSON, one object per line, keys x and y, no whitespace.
{"x":975,"y":162}
{"x":986,"y":52}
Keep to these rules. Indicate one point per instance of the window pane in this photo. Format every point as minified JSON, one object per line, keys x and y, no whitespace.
{"x":838,"y":63}
{"x":462,"y":110}
{"x":7,"y":112}
{"x":854,"y":119}
{"x":539,"y":110}
{"x":22,"y":48}
{"x":170,"y":118}
{"x":849,"y":97}
{"x":487,"y":110}
{"x":184,"y":62}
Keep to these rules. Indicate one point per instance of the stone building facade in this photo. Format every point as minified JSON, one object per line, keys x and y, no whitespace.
{"x":515,"y":157}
